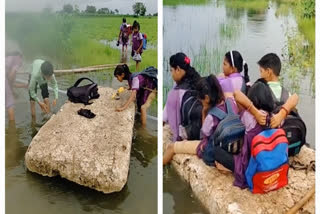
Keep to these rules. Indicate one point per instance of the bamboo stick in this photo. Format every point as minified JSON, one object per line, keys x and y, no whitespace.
{"x":300,"y":204}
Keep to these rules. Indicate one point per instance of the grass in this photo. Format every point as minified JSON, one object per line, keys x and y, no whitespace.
{"x":73,"y":41}
{"x":184,"y":2}
{"x":247,"y":4}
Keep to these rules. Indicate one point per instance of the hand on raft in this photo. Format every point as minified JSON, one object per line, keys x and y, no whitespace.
{"x":118,"y":109}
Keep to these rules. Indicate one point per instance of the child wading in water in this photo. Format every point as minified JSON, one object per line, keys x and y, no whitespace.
{"x":13,"y":64}
{"x":231,"y":79}
{"x":137,"y":42}
{"x":41,"y":74}
{"x":143,"y":90}
{"x":123,"y":37}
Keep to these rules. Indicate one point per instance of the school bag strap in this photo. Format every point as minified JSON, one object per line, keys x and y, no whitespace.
{"x":80,"y":80}
{"x":217,"y":112}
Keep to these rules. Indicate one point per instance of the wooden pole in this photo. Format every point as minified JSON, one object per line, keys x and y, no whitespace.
{"x":304,"y":200}
{"x":82,"y":70}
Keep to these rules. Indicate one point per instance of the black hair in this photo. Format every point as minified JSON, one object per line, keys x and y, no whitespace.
{"x":136,"y":25}
{"x":238,"y":63}
{"x":47,"y":69}
{"x":14,"y":53}
{"x":260,"y":95}
{"x":122,"y":69}
{"x":210,"y":86}
{"x":271,"y":61}
{"x":192,"y":76}
{"x":124,"y":20}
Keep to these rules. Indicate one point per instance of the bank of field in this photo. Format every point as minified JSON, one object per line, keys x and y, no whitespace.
{"x":74,"y":41}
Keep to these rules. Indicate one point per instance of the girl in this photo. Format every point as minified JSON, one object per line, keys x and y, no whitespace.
{"x":13,"y":64}
{"x":143,"y":90}
{"x":233,"y":65}
{"x":185,"y":78}
{"x":137,"y":42}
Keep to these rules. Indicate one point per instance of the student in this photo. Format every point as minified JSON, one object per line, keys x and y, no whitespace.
{"x":233,"y":65}
{"x":123,"y":37}
{"x":137,"y":42}
{"x":185,"y":78}
{"x":256,"y":115}
{"x":13,"y":63}
{"x":270,"y":67}
{"x":143,"y":90}
{"x":41,"y":74}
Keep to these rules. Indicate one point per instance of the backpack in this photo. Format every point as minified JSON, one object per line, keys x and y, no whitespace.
{"x":150,"y":72}
{"x":230,"y":130}
{"x":82,"y":94}
{"x":191,"y":116}
{"x":144,"y":41}
{"x":268,"y":165}
{"x":293,"y":125}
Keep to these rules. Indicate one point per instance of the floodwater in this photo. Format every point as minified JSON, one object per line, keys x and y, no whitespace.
{"x":205,"y":36}
{"x":28,"y":192}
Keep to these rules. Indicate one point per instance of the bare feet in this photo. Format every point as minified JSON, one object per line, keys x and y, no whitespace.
{"x":168,"y":154}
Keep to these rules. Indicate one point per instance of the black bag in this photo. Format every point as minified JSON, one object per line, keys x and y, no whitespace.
{"x":82,"y":94}
{"x":293,"y":125}
{"x":150,"y":72}
{"x":191,"y":116}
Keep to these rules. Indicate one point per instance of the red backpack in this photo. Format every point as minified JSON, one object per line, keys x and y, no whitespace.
{"x":268,"y":165}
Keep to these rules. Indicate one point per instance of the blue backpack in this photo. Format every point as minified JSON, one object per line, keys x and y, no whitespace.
{"x":230,"y":130}
{"x":268,"y":165}
{"x":144,"y":41}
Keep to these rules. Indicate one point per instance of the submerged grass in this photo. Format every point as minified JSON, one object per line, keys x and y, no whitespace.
{"x":184,"y":2}
{"x":247,"y":4}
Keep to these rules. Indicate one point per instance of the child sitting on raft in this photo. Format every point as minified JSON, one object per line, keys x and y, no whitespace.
{"x":185,"y":78}
{"x":231,"y":79}
{"x":143,"y":90}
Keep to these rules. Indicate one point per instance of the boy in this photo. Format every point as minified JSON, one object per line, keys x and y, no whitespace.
{"x":270,"y":67}
{"x":41,"y":74}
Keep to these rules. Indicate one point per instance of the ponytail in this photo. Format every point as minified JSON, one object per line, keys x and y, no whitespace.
{"x":235,"y":59}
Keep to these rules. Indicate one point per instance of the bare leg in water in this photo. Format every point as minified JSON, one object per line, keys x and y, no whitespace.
{"x":145,"y":107}
{"x":11,"y":114}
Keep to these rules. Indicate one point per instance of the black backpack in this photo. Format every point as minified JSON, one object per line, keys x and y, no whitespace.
{"x":150,"y":72}
{"x":191,"y":115}
{"x":82,"y":94}
{"x":293,"y":125}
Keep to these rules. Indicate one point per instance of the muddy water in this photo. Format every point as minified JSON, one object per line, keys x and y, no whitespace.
{"x":205,"y":36}
{"x":28,"y":192}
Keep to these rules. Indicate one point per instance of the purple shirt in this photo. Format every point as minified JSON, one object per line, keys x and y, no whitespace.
{"x":231,"y":83}
{"x":12,"y":64}
{"x":171,"y":112}
{"x":141,"y":84}
{"x":136,"y":41}
{"x":242,"y":159}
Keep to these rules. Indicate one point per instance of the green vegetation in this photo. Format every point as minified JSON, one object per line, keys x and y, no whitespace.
{"x":184,"y":2}
{"x":247,"y":4}
{"x":74,"y":41}
{"x":299,"y":52}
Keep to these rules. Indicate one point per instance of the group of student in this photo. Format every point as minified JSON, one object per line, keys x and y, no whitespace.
{"x":254,"y":104}
{"x":137,"y":40}
{"x":142,"y":84}
{"x":41,"y":74}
